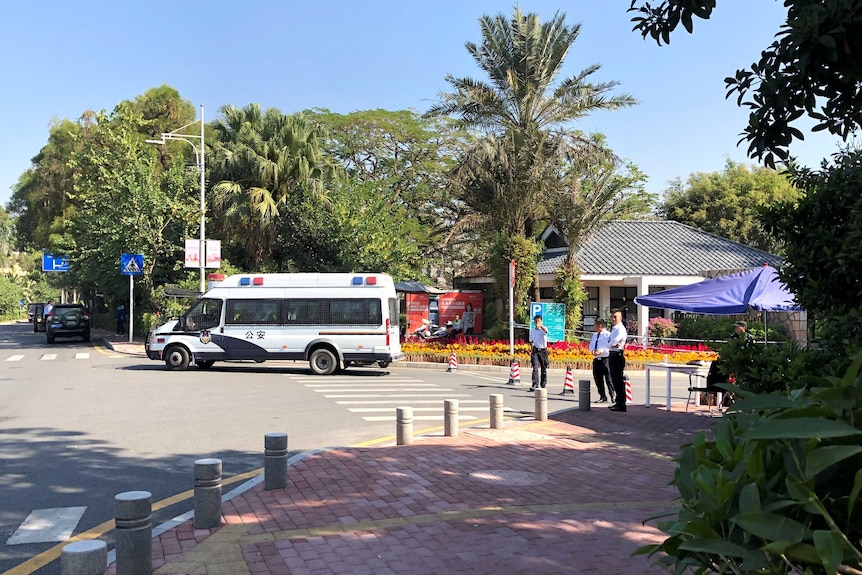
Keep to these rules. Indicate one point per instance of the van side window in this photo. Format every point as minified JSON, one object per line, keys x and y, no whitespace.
{"x":355,"y":312}
{"x":302,"y":312}
{"x":333,"y":311}
{"x":253,"y":312}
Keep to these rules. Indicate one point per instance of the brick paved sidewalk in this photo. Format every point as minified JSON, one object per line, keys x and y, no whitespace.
{"x":563,"y":496}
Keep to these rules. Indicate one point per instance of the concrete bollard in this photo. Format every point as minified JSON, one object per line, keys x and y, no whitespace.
{"x":275,"y":461}
{"x":450,"y":417}
{"x":404,"y":425}
{"x":207,"y":493}
{"x":583,"y":395}
{"x":88,"y":557}
{"x":133,"y":510}
{"x":496,"y":411}
{"x":541,"y":404}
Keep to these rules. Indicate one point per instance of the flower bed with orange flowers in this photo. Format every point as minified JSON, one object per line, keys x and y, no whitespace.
{"x":469,"y":350}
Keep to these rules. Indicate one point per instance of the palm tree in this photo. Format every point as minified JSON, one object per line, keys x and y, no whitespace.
{"x":518,"y":110}
{"x":522,"y":58}
{"x":263,"y":162}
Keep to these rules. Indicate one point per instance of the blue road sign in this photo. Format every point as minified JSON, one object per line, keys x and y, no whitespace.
{"x":131,"y":264}
{"x":52,"y":263}
{"x":553,"y":318}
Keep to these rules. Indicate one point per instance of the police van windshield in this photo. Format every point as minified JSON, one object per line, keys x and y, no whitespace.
{"x":204,"y":314}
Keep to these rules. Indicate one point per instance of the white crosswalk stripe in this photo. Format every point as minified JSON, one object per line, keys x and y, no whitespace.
{"x":376,"y":398}
{"x":20,"y":357}
{"x":46,"y":525}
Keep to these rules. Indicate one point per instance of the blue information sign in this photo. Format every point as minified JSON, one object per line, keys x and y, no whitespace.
{"x":553,"y":318}
{"x":131,"y":264}
{"x":52,"y":263}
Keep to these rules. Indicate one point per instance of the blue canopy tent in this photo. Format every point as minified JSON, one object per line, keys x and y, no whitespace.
{"x":757,"y":288}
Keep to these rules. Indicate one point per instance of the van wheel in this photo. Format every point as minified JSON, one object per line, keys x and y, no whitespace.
{"x":177,"y":358}
{"x":204,"y":363}
{"x":322,"y":361}
{"x":383,"y":364}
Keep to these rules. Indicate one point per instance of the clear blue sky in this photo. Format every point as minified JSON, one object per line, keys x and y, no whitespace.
{"x":61,"y":58}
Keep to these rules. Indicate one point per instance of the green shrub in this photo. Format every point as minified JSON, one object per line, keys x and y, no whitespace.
{"x":695,"y":326}
{"x":760,"y":368}
{"x":777,"y":489}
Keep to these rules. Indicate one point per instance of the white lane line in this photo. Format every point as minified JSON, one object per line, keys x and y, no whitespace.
{"x":355,"y":381}
{"x":416,"y":418}
{"x":44,"y":525}
{"x":15,"y":358}
{"x":82,"y":356}
{"x":49,"y":357}
{"x":354,"y":395}
{"x":362,"y":384}
{"x":434,"y":401}
{"x":415,"y":409}
{"x":488,"y":377}
{"x":363,"y":390}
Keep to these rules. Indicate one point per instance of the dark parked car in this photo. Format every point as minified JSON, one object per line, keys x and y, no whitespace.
{"x":68,"y":320}
{"x":38,"y":316}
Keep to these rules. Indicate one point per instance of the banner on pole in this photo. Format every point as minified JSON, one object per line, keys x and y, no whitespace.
{"x":193,"y":253}
{"x":512,"y":273}
{"x":213,"y":254}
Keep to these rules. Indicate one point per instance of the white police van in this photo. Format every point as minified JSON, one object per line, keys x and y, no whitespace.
{"x":332,"y":321}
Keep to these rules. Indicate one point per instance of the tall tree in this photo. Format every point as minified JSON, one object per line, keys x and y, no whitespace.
{"x":729,"y":203}
{"x":400,"y":162}
{"x":262,"y":163}
{"x":520,"y":103}
{"x":128,"y":205}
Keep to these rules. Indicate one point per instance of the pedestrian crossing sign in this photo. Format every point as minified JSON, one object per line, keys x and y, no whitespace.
{"x":131,"y":264}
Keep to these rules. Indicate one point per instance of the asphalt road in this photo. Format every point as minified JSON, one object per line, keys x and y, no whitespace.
{"x":80,"y":424}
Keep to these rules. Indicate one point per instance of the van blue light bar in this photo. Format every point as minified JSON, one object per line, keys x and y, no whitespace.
{"x":244,"y":281}
{"x":357,"y":281}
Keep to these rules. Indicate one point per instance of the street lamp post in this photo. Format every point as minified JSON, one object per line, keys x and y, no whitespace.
{"x":199,"y":158}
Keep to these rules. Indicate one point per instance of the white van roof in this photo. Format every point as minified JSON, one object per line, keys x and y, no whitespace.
{"x":307,"y":280}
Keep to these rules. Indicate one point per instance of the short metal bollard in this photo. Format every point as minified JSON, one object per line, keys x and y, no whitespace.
{"x":207,"y":493}
{"x":133,"y":511}
{"x":496,"y":401}
{"x":541,"y":404}
{"x":404,"y":425}
{"x":583,"y":395}
{"x":450,"y":417}
{"x":274,"y":461}
{"x":88,"y":557}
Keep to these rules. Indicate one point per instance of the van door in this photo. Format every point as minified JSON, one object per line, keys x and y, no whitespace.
{"x":252,"y":328}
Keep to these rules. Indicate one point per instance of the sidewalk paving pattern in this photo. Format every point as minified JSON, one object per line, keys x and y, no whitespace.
{"x":568,"y":495}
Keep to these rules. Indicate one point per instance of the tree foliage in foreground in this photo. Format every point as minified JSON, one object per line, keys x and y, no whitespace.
{"x":778,"y":489}
{"x":813,"y":68}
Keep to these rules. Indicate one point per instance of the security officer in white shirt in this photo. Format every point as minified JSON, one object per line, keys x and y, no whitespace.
{"x":539,"y":353}
{"x":599,"y":345}
{"x":617,"y":360}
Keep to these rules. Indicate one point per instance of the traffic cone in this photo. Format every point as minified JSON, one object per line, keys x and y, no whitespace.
{"x":453,"y":362}
{"x":629,"y":397}
{"x":515,"y":373}
{"x":569,"y":384}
